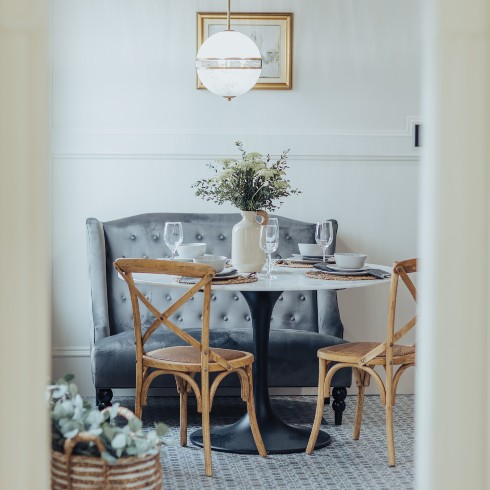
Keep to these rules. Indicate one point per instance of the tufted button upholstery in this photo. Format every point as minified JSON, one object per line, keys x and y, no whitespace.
{"x":302,"y":313}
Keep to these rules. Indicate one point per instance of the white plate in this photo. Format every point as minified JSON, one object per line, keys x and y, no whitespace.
{"x":303,"y":261}
{"x":343,"y":269}
{"x":344,"y":272}
{"x":299,"y":258}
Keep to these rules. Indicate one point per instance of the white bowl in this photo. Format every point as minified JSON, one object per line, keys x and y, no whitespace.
{"x":350,"y":260}
{"x":217,"y":262}
{"x":191,"y":250}
{"x":310,"y":249}
{"x":177,"y":259}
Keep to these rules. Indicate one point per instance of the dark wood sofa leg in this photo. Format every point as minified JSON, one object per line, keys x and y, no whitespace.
{"x":338,"y":404}
{"x":103,"y":398}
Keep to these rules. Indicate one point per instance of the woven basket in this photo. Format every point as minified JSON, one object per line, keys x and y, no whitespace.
{"x":74,"y":472}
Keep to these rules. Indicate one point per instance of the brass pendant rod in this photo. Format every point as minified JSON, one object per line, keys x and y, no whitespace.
{"x":228,"y":16}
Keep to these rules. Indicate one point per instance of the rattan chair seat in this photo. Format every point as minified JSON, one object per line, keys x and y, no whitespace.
{"x":191,"y":357}
{"x":359,"y":349}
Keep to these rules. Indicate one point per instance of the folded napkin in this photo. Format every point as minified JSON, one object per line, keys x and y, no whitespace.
{"x":380,"y":274}
{"x":225,"y":273}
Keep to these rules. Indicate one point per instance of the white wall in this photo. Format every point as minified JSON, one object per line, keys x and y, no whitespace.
{"x":131,"y":133}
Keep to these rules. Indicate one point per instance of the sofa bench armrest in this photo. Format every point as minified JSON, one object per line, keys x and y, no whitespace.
{"x":99,"y":312}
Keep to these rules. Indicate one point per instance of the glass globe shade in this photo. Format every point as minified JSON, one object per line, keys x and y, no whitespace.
{"x":228,"y":64}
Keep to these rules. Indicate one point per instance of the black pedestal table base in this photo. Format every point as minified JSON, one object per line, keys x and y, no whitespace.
{"x":278,"y":436}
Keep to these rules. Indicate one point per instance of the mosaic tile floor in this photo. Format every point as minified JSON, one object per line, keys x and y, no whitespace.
{"x":345,"y":464}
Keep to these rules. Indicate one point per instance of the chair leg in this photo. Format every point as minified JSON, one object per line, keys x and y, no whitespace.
{"x":182,"y":387}
{"x":139,"y":388}
{"x":362,"y":380}
{"x":138,"y":410}
{"x":390,"y":436}
{"x":206,"y":430}
{"x":322,"y":372}
{"x":183,"y":419}
{"x":251,"y":413}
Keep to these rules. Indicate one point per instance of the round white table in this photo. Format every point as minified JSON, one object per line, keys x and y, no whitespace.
{"x":261,"y":297}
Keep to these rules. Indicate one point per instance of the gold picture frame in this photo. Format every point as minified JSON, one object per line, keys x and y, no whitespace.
{"x":273,"y":34}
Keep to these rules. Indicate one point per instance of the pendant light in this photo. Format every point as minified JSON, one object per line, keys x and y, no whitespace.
{"x":228,"y":63}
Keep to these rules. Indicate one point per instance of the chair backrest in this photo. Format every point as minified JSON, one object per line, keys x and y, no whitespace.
{"x":204,"y":274}
{"x":401,"y":270}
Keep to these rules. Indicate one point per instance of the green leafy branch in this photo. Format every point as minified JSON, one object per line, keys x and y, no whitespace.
{"x":70,"y":415}
{"x":250,"y":184}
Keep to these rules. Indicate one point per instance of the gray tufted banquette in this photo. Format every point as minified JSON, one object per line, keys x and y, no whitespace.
{"x":302,"y":322}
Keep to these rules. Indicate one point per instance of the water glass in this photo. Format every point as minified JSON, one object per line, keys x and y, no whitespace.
{"x":269,"y":241}
{"x":173,"y":235}
{"x":324,"y":235}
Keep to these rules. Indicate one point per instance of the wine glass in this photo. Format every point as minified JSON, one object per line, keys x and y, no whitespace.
{"x":324,"y":235}
{"x":269,"y":241}
{"x":173,"y":235}
{"x":275,"y":222}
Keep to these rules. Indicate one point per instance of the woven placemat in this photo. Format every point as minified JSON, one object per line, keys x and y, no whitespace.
{"x":219,"y":282}
{"x":333,"y":277}
{"x":293,"y":264}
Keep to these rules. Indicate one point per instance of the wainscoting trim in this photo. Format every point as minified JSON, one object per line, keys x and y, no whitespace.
{"x":70,"y":351}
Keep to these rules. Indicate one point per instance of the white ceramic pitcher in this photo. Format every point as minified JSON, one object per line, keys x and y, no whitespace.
{"x":246,"y":254}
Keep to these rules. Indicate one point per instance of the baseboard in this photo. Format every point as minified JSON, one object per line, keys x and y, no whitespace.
{"x":227,"y":391}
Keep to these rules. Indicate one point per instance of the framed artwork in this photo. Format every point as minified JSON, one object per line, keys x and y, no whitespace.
{"x":271,"y":32}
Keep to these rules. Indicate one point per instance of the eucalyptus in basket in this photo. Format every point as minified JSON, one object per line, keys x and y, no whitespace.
{"x":70,"y":415}
{"x":250,"y":184}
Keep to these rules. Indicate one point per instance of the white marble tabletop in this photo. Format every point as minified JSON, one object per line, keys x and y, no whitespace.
{"x":287,"y":279}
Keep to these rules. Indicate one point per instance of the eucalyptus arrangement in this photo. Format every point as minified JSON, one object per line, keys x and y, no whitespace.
{"x":250,"y":184}
{"x":71,"y":415}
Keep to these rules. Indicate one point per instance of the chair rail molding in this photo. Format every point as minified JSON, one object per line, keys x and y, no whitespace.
{"x":70,"y":351}
{"x":335,"y":145}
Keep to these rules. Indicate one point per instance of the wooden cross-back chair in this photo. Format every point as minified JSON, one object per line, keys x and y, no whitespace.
{"x":184,"y":362}
{"x":363,"y":357}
